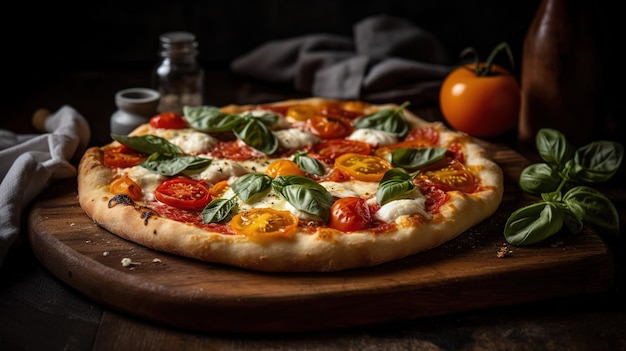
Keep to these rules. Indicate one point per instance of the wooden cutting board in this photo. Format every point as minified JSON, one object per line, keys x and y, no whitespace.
{"x":463,"y":274}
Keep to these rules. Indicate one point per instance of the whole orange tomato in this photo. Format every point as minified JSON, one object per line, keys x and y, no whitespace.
{"x":481,"y":99}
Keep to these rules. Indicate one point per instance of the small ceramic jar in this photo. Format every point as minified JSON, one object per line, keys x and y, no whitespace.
{"x":135,"y":107}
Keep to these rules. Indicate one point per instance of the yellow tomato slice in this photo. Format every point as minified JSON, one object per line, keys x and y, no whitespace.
{"x":282,"y":168}
{"x":261,"y":223}
{"x":125,"y":185}
{"x":301,"y":112}
{"x":367,"y":168}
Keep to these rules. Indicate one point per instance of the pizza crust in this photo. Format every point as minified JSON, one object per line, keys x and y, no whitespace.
{"x":324,"y":251}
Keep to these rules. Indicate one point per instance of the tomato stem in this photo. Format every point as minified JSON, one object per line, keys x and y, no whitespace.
{"x":485,"y":70}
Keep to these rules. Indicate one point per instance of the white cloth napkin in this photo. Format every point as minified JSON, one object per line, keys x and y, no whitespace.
{"x":29,"y":162}
{"x":387,"y":60}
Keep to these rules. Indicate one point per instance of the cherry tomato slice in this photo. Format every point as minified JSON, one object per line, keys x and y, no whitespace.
{"x":350,"y":214}
{"x":183,"y":193}
{"x":329,"y":150}
{"x":122,"y":156}
{"x":168,"y":120}
{"x":450,"y":174}
{"x":283,"y":167}
{"x":264,"y":223}
{"x":125,"y":185}
{"x":367,"y":168}
{"x":330,"y":127}
{"x":427,"y":136}
{"x":301,"y":112}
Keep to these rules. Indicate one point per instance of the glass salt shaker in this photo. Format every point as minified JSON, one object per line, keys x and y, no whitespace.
{"x":179,"y":78}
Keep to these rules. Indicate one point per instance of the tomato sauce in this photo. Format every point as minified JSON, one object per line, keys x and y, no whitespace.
{"x":191,"y":217}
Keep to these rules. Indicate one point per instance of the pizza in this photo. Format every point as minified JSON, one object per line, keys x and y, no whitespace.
{"x":300,"y":185}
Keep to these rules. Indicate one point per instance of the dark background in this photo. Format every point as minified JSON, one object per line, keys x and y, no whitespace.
{"x":48,"y":44}
{"x":126,"y":32}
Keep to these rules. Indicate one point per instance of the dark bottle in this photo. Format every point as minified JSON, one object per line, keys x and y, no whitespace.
{"x":561,"y":78}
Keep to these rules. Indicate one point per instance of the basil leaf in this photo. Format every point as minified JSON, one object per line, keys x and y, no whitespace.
{"x":598,"y":161}
{"x":539,"y":178}
{"x":255,"y":134}
{"x":413,"y":158}
{"x":173,"y":165}
{"x":149,"y":144}
{"x":395,"y":183}
{"x":593,"y":207}
{"x":533,"y":223}
{"x":304,"y":194}
{"x":219,"y":210}
{"x":388,"y":120}
{"x":553,"y":147}
{"x":309,"y":164}
{"x":573,"y":222}
{"x":210,"y":119}
{"x":268,"y":118}
{"x":251,"y":186}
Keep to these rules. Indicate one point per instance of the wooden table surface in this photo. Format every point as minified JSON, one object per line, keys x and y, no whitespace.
{"x":40,"y":311}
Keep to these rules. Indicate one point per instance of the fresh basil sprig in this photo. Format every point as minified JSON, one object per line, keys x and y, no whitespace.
{"x":251,"y":186}
{"x":219,"y":210}
{"x":173,"y":165}
{"x":395,"y":184}
{"x":165,"y":158}
{"x":252,"y":130}
{"x":301,"y":192}
{"x":413,"y":158}
{"x":388,"y":120}
{"x":304,"y":194}
{"x":398,"y":182}
{"x":565,"y":202}
{"x":308,"y":164}
{"x":149,"y":144}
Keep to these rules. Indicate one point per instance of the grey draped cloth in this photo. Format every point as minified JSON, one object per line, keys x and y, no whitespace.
{"x":388,"y":60}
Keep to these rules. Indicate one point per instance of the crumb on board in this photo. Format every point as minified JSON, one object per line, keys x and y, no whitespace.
{"x":503,"y":251}
{"x":156,"y":260}
{"x":127,"y":262}
{"x":105,"y":253}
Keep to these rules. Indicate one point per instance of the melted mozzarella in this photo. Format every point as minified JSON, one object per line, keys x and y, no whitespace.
{"x":295,"y":138}
{"x":373,"y":137}
{"x":393,"y":210}
{"x":147,"y":180}
{"x":189,"y":140}
{"x":220,"y":170}
{"x":353,"y":188}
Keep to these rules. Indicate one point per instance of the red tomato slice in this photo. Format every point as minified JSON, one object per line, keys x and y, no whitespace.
{"x":168,"y":120}
{"x":122,"y":156}
{"x":330,"y":127}
{"x":426,"y":136}
{"x":350,"y":214}
{"x":329,"y":150}
{"x":183,"y":193}
{"x":234,"y":150}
